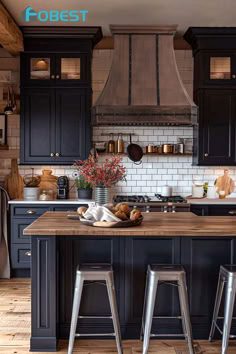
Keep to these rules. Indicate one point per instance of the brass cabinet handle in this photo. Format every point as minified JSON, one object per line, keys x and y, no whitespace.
{"x":57,"y":76}
{"x":28,"y":253}
{"x":57,"y":154}
{"x":52,"y":154}
{"x":52,"y":76}
{"x":232,"y":212}
{"x":31,"y":212}
{"x":206,"y":154}
{"x":234,"y":76}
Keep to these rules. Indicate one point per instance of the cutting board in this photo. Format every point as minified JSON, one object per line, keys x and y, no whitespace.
{"x":225,"y":183}
{"x":14,"y":182}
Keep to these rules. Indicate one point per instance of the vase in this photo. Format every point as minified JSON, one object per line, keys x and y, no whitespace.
{"x":102,"y":195}
{"x":85,"y":193}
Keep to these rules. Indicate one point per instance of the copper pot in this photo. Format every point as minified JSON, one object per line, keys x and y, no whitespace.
{"x":167,"y":148}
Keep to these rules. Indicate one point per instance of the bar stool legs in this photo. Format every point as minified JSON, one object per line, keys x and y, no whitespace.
{"x":95,"y":273}
{"x":165,"y":274}
{"x":227,"y":277}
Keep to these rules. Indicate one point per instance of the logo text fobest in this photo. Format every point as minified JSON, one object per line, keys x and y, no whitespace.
{"x":54,"y":16}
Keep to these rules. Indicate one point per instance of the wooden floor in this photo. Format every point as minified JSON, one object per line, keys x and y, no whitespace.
{"x":15,"y":330}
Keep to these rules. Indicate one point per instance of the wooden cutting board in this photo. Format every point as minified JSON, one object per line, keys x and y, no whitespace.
{"x":225,"y":183}
{"x":14,"y":182}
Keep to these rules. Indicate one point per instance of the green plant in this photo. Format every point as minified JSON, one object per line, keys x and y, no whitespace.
{"x":81,"y":183}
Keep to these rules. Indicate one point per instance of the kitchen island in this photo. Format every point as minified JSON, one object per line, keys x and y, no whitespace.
{"x":201,"y":244}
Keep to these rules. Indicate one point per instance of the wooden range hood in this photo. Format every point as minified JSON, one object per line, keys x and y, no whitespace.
{"x":144,"y":86}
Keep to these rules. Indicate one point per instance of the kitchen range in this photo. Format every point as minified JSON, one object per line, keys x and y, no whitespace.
{"x":119,"y":161}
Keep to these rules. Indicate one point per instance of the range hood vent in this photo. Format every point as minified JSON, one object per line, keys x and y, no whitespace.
{"x":144,"y":86}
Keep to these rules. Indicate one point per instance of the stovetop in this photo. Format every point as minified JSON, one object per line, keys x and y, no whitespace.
{"x":146,"y":199}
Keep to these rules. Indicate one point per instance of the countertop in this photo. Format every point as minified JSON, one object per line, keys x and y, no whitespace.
{"x":154,"y":224}
{"x":215,"y":201}
{"x":56,"y":201}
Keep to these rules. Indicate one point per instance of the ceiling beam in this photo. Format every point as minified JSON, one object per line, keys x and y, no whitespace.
{"x":11,"y":37}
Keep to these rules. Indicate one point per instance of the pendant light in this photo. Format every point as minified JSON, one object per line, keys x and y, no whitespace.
{"x":8,"y":109}
{"x":41,"y":65}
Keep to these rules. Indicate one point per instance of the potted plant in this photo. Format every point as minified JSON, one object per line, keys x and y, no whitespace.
{"x":101,"y":175}
{"x":84,"y":188}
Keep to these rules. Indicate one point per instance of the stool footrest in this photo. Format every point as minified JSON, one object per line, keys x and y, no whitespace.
{"x":94,"y":317}
{"x":94,"y":334}
{"x":221,"y":332}
{"x":168,"y":317}
{"x":166,"y":335}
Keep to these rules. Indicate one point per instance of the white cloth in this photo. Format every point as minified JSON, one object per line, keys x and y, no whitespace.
{"x":99,"y":213}
{"x":4,"y":253}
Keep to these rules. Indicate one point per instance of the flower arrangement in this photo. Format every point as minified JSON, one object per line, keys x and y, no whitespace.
{"x":101,"y":175}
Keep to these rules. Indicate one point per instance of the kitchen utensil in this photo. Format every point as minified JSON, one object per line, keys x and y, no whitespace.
{"x":108,"y":224}
{"x":150,"y":148}
{"x":120,"y":145}
{"x":166,"y":191}
{"x":111,"y":145}
{"x":135,"y":152}
{"x":225,"y":183}
{"x":211,"y":191}
{"x":14,"y":182}
{"x":167,"y":148}
{"x":100,"y":147}
{"x":159,"y":149}
{"x":197,"y":190}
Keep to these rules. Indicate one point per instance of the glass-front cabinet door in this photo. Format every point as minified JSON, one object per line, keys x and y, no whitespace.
{"x":221,"y":68}
{"x":37,"y":69}
{"x":72,"y":69}
{"x":40,"y":68}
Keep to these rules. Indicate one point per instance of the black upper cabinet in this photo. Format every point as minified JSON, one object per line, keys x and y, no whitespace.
{"x":56,"y":94}
{"x":215,"y":94}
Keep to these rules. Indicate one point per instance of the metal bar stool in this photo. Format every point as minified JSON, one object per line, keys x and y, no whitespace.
{"x":227,"y":276}
{"x":95,"y":273}
{"x":158,"y":274}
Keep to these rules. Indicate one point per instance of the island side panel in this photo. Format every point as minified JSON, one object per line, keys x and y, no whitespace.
{"x":139,"y":252}
{"x":201,"y":258}
{"x":89,"y":249}
{"x":44,"y":294}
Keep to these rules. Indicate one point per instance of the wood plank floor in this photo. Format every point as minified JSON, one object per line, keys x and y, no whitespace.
{"x":15,"y":330}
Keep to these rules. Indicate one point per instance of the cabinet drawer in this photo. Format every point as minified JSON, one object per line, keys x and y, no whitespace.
{"x":29,"y":211}
{"x":17,"y":228}
{"x":68,"y":207}
{"x":20,"y":258}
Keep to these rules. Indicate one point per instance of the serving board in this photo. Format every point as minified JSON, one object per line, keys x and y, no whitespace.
{"x":107,"y":224}
{"x":14,"y":182}
{"x":225,"y":183}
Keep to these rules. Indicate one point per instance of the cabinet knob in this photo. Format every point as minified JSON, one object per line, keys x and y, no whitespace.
{"x":206,"y":154}
{"x":28,"y":253}
{"x":57,"y":76}
{"x":57,"y":154}
{"x":232,"y":212}
{"x":52,"y":154}
{"x":31,"y":212}
{"x":148,"y":209}
{"x":52,"y":76}
{"x":233,"y":76}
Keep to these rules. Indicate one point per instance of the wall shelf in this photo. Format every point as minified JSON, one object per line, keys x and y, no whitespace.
{"x":145,"y":154}
{"x":9,"y":154}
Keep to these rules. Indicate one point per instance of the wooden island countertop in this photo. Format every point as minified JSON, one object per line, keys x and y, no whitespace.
{"x":154,"y":224}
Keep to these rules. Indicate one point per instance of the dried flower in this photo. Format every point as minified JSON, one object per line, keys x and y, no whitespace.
{"x":102,"y":175}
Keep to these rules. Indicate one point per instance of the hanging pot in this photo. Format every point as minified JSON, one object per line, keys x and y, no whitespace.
{"x":8,"y":109}
{"x":135,"y":152}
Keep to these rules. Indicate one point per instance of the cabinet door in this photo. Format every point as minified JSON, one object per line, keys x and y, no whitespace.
{"x":72,"y":69}
{"x":38,"y":69}
{"x":72,"y":124}
{"x":37,"y":125}
{"x":217,"y":127}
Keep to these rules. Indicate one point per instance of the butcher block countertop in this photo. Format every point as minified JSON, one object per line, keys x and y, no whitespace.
{"x":154,"y":224}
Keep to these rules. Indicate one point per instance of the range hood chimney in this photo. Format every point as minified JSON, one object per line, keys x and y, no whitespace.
{"x":144,"y":86}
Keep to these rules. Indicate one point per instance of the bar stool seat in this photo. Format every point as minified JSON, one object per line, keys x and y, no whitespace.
{"x":95,"y":273}
{"x":173,"y":275}
{"x":227,"y":279}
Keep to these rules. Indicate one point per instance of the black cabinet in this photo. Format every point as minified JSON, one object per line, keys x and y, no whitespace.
{"x":22,"y":216}
{"x":56,"y":94}
{"x":217,"y":112}
{"x":214,"y":210}
{"x":215,"y":94}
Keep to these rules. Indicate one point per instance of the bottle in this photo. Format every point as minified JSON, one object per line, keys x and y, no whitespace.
{"x":120,"y":145}
{"x":111,"y":144}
